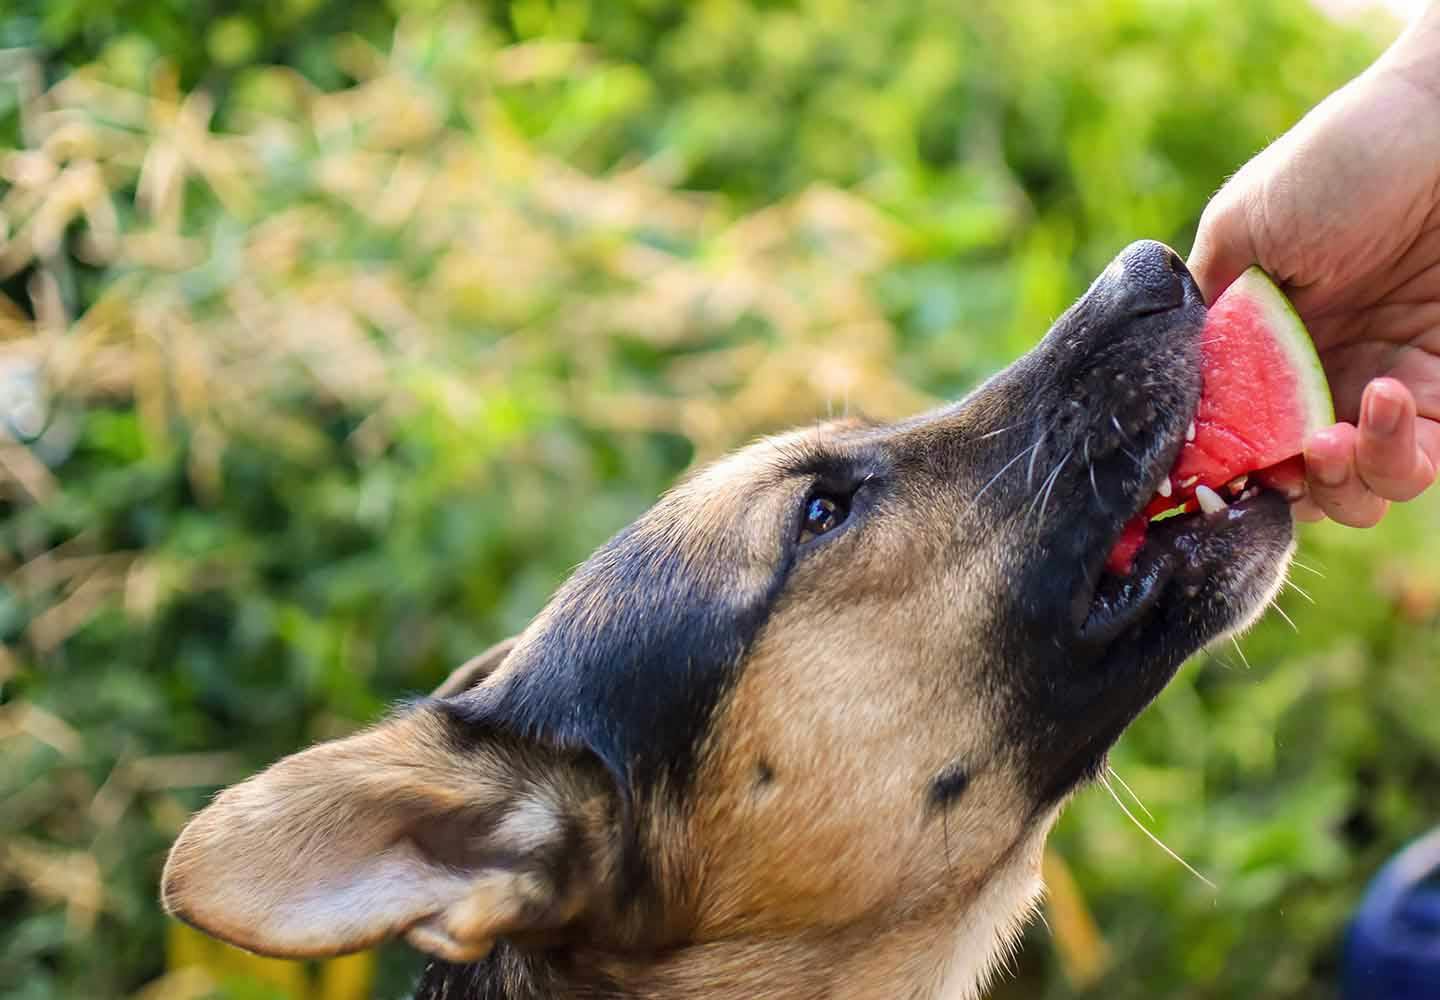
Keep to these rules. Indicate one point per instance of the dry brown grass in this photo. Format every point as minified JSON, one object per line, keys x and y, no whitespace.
{"x":382,"y":251}
{"x":493,"y":235}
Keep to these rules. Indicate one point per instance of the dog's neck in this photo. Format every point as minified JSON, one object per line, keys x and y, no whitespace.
{"x":928,"y":956}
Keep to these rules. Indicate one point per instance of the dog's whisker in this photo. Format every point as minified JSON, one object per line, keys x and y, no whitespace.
{"x":1281,"y":612}
{"x":1236,"y":643}
{"x":1298,"y":589}
{"x":1309,"y":569}
{"x":1035,"y":499}
{"x":1090,"y":467}
{"x":1218,"y":660}
{"x":1030,"y":470}
{"x":1154,"y":839}
{"x":1131,"y":792}
{"x":996,"y":433}
{"x":1050,"y":482}
{"x":1003,"y":469}
{"x":1035,"y":495}
{"x":945,"y":837}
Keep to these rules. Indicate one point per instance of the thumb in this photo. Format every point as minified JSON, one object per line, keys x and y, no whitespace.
{"x":1223,"y":245}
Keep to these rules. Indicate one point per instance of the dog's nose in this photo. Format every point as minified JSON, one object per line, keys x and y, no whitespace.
{"x":1151,"y":278}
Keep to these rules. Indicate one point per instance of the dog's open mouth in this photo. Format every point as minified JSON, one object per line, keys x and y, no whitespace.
{"x":1180,"y":555}
{"x":1181,"y":545}
{"x":1210,"y":473}
{"x":1201,"y":557}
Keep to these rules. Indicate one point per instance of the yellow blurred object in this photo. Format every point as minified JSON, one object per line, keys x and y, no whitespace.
{"x":188,"y":952}
{"x":1084,"y":955}
{"x":346,"y":978}
{"x":191,"y":983}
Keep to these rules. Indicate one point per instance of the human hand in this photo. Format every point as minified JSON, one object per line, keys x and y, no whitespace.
{"x":1344,"y":212}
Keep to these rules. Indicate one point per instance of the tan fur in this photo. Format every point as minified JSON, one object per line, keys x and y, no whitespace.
{"x":787,"y":893}
{"x":332,"y":850}
{"x":814,"y":844}
{"x":784,"y":892}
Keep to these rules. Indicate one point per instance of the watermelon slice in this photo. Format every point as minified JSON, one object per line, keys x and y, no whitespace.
{"x":1262,"y":392}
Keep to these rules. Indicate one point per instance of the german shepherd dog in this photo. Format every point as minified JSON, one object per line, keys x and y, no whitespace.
{"x":801,"y":730}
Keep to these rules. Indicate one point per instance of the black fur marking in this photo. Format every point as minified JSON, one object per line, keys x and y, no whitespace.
{"x":832,"y":470}
{"x":947,"y":786}
{"x":764,"y":774}
{"x":638,"y":649}
{"x":507,"y":973}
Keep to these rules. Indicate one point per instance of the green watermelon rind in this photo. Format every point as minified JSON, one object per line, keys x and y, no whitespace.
{"x":1283,"y":323}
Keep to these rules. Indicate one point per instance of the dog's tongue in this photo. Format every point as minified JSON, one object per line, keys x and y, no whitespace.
{"x":1262,"y":391}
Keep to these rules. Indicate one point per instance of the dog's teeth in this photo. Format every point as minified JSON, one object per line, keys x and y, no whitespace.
{"x":1210,"y":501}
{"x":1165,"y":488}
{"x":1190,"y":432}
{"x":1188,"y":482}
{"x":1237,"y":485}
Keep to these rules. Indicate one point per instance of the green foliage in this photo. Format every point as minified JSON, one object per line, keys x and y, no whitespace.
{"x":206,"y":40}
{"x":312,"y":390}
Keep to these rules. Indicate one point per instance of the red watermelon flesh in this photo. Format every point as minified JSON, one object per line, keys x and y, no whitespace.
{"x":1262,"y":392}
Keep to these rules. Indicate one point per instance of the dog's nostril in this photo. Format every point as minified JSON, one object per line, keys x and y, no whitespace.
{"x":1152,"y":279}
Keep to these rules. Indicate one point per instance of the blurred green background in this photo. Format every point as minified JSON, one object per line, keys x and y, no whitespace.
{"x":334,"y":334}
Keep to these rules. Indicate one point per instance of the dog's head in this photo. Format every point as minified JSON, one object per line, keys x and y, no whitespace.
{"x":845,"y":676}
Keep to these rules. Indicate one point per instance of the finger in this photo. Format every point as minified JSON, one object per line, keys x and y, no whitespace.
{"x":1427,"y":437}
{"x":1306,"y":509}
{"x":1386,"y":456}
{"x":1335,"y":487}
{"x":1223,"y":248}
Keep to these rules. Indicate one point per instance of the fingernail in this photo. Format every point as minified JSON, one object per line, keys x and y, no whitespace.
{"x":1382,"y":411}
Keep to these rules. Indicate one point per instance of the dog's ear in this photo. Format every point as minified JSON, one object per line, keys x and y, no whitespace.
{"x":475,"y":669}
{"x":420,"y":827}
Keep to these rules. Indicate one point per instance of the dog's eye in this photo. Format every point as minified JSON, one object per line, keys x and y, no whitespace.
{"x":823,"y":514}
